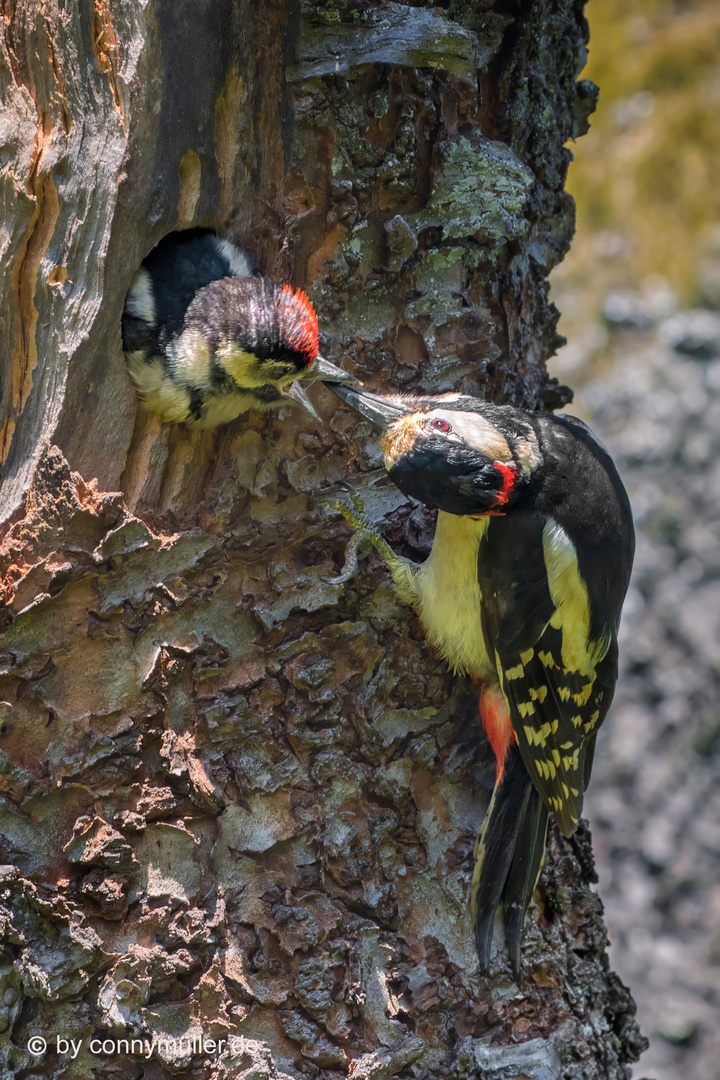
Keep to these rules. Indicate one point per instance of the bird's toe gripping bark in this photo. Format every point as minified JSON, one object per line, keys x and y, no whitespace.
{"x":356,"y":516}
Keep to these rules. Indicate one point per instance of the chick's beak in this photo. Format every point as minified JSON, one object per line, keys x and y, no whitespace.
{"x":382,"y":411}
{"x":330,"y":373}
{"x":298,"y":396}
{"x":321,"y":370}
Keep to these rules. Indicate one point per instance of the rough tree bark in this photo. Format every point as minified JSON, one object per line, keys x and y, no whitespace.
{"x":237,"y":799}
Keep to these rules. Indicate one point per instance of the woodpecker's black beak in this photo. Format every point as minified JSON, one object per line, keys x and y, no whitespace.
{"x":382,"y":411}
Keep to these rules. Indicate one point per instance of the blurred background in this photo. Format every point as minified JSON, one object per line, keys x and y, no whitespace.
{"x":640,"y":300}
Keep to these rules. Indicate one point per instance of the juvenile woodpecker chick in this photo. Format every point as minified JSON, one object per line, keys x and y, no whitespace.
{"x":206,"y":339}
{"x":522,"y":591}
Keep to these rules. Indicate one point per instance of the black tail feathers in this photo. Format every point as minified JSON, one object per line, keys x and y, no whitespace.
{"x":508,"y":856}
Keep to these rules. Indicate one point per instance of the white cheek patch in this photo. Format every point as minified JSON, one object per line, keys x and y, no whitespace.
{"x":189,"y":357}
{"x":240,"y":264}
{"x":477,"y":432}
{"x":140,"y":300}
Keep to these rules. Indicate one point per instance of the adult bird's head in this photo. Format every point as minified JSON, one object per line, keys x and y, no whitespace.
{"x":452,"y":452}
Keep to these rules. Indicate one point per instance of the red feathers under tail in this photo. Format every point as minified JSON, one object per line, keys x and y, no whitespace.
{"x":496,"y":721}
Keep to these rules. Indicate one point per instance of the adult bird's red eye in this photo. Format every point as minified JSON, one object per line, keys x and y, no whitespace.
{"x":441,"y":425}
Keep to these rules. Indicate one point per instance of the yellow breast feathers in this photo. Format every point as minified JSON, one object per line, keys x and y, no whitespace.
{"x":449,"y":595}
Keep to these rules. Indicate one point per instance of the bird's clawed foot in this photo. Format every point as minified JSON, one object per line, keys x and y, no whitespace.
{"x":356,"y":516}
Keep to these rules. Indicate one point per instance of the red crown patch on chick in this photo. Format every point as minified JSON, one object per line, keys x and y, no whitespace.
{"x":298,"y":323}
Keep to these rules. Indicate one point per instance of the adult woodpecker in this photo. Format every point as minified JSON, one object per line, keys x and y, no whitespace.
{"x":206,"y":339}
{"x":522,"y":591}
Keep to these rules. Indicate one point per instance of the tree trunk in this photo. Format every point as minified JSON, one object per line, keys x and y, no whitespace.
{"x":240,"y":802}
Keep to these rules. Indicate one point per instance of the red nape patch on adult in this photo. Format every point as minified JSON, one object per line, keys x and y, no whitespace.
{"x":509,"y":475}
{"x":498,"y":727}
{"x":298,"y":324}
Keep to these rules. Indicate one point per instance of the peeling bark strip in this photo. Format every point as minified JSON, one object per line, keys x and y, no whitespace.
{"x":237,"y":801}
{"x":105,"y":47}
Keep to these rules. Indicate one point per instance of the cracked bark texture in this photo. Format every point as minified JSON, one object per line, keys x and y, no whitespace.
{"x":236,"y":799}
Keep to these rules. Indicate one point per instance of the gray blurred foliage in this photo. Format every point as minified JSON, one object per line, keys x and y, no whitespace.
{"x":235,"y":798}
{"x":651,"y":389}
